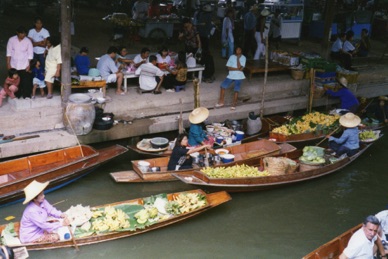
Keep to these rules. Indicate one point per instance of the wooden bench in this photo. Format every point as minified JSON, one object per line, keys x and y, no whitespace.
{"x":92,"y":84}
{"x":258,"y":66}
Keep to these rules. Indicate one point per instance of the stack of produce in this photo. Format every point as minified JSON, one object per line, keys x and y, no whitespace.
{"x":235,"y":171}
{"x":369,"y":135}
{"x":310,"y":122}
{"x":312,"y":155}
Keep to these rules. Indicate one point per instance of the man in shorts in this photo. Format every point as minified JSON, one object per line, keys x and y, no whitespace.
{"x":235,"y":65}
{"x":109,"y":71}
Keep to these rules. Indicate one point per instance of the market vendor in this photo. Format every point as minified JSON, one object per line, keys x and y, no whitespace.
{"x":348,"y":99}
{"x":34,"y":225}
{"x":348,"y":143}
{"x":180,"y":150}
{"x":197,"y":135}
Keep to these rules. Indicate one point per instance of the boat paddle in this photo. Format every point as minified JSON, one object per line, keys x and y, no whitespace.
{"x":327,"y":136}
{"x":73,"y":239}
{"x":7,"y":139}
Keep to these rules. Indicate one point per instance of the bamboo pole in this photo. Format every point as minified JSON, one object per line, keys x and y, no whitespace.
{"x":197,"y":102}
{"x":265,"y":80}
{"x":327,"y":136}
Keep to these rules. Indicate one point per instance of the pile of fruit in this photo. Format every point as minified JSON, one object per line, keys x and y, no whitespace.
{"x":234,"y":171}
{"x":368,"y":135}
{"x":308,"y":123}
{"x":312,"y":155}
{"x":129,"y":217}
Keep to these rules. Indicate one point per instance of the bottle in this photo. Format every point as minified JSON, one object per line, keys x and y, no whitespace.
{"x":64,"y":233}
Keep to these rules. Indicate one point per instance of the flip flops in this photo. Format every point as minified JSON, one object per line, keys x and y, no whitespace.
{"x":232,"y":108}
{"x":219,"y":105}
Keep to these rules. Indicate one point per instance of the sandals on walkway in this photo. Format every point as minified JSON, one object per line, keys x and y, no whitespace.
{"x":219,"y":105}
{"x":233,"y":108}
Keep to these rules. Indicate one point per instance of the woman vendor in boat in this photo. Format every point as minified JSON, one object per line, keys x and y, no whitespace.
{"x":35,"y":226}
{"x":348,"y":143}
{"x":181,"y":150}
{"x":197,"y":135}
{"x":348,"y":99}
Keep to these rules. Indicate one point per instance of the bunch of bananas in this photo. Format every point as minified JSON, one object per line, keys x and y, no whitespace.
{"x":110,"y":219}
{"x":234,"y":171}
{"x":145,"y":214}
{"x":367,"y":134}
{"x":307,"y":123}
{"x":189,"y":201}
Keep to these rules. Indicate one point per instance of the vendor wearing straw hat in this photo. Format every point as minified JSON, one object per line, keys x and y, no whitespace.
{"x":348,"y":143}
{"x":34,"y":225}
{"x":348,"y":99}
{"x":197,"y":136}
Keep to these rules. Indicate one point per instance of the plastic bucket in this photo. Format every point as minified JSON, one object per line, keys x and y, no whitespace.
{"x":239,"y":135}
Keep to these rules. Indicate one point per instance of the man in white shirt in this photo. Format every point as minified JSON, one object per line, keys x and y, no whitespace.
{"x":142,"y":57}
{"x":109,"y":71}
{"x":364,"y":242}
{"x":151,"y":77}
{"x":38,"y":36}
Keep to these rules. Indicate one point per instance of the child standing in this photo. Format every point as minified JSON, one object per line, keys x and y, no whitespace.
{"x":38,"y":78}
{"x":11,"y":85}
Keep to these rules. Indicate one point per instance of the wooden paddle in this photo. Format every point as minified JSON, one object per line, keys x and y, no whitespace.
{"x":327,"y":136}
{"x":73,"y":239}
{"x":10,"y":139}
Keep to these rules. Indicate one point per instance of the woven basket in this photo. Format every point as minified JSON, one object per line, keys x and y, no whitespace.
{"x":279,"y":165}
{"x":318,"y":92}
{"x":297,"y":74}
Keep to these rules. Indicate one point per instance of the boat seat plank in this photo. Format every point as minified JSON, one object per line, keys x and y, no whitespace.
{"x":6,"y":178}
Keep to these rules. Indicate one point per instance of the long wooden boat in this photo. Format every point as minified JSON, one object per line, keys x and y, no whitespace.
{"x":333,"y":248}
{"x":213,"y":200}
{"x":244,"y":153}
{"x":242,"y":184}
{"x":60,"y":167}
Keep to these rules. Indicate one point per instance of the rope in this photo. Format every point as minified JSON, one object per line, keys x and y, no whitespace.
{"x":72,"y":129}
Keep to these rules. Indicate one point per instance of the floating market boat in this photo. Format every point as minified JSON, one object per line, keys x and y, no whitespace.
{"x":60,"y":167}
{"x":306,"y":171}
{"x":137,"y":216}
{"x":333,"y":248}
{"x":248,"y":153}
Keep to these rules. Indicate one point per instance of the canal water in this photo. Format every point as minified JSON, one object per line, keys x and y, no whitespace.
{"x":287,"y":222}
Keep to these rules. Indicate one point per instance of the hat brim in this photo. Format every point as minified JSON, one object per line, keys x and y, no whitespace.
{"x":350,"y":123}
{"x":31,"y":195}
{"x":199,"y":115}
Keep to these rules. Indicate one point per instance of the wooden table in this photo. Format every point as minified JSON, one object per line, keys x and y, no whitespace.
{"x":198,"y":68}
{"x":92,"y":84}
{"x":258,"y":66}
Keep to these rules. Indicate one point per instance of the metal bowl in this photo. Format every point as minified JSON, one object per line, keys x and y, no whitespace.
{"x":159,"y":142}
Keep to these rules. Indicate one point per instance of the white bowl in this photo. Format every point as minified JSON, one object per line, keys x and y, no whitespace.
{"x":92,"y":91}
{"x":222,"y":151}
{"x":143,"y":163}
{"x":210,"y":128}
{"x":101,"y":99}
{"x":106,"y":118}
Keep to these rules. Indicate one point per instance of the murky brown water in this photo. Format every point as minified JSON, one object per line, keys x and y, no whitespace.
{"x":281,"y":223}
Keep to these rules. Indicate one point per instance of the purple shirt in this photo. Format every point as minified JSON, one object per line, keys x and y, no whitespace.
{"x":34,"y":221}
{"x":21,"y":52}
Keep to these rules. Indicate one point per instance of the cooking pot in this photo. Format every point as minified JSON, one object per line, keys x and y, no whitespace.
{"x":102,"y":123}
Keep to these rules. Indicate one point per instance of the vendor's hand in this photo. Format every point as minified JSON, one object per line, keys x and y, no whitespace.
{"x":66,"y":222}
{"x":207,"y":146}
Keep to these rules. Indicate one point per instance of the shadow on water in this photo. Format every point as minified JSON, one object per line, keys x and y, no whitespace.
{"x":282,"y":223}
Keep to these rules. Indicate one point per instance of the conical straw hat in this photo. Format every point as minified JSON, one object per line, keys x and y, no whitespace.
{"x":349,"y":120}
{"x":343,"y":81}
{"x":33,"y":189}
{"x":199,"y":115}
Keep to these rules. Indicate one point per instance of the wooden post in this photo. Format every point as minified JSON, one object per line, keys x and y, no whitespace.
{"x":265,"y":79}
{"x":66,"y":50}
{"x":311,"y":94}
{"x":330,"y":11}
{"x":197,"y":102}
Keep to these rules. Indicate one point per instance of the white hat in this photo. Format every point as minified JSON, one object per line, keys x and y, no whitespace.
{"x":199,"y":115}
{"x":265,"y":12}
{"x":349,"y":120}
{"x":33,"y":189}
{"x":343,"y":81}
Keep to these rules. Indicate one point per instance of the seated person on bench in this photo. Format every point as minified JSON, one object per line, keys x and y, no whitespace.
{"x":151,"y":77}
{"x":336,"y":49}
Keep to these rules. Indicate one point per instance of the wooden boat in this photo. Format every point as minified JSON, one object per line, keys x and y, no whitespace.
{"x":59,"y":167}
{"x":198,"y":178}
{"x":333,"y":248}
{"x":244,"y":153}
{"x":213,"y":200}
